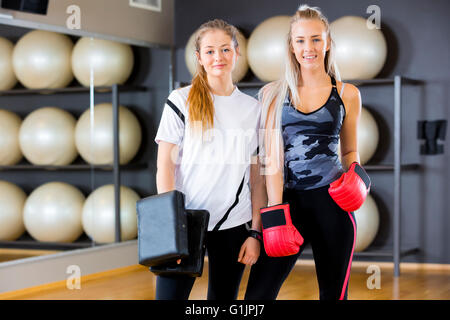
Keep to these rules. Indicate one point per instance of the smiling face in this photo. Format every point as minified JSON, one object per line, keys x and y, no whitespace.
{"x":309,"y":43}
{"x":217,"y":54}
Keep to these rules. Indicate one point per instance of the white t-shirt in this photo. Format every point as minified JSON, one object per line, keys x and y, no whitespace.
{"x":213,"y":172}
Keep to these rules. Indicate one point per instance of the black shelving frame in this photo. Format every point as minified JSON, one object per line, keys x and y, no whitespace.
{"x":26,"y":241}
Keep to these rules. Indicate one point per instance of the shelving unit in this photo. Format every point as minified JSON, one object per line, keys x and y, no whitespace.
{"x":396,"y":168}
{"x":25,"y":241}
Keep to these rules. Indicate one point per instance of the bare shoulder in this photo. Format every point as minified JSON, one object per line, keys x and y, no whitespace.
{"x":351,"y":96}
{"x":350,"y":91}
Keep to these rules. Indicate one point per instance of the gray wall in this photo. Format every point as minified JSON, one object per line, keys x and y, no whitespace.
{"x":418,"y":47}
{"x":110,"y":19}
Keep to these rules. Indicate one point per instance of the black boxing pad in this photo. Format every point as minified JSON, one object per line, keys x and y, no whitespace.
{"x":162,"y":228}
{"x":193,"y":264}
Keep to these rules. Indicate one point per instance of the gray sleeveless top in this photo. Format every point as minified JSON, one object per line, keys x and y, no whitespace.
{"x":311,"y":143}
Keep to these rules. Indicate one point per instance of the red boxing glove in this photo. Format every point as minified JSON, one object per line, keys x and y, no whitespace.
{"x":280,"y":236}
{"x":351,"y":189}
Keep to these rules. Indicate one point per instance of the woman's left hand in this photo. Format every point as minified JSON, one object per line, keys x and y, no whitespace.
{"x":249,"y":253}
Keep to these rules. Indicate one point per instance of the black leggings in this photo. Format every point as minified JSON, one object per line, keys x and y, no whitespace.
{"x":224,"y":271}
{"x":331,"y":233}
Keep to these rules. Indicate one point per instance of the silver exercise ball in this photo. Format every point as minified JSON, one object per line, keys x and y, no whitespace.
{"x":266,"y":48}
{"x":111,"y":62}
{"x":95,"y":143}
{"x":240,"y":69}
{"x":42,"y":59}
{"x":7,"y":76}
{"x":360,"y":51}
{"x":368,"y":137}
{"x":47,"y":137}
{"x":52,"y":212}
{"x":12,"y":201}
{"x":10,"y":152}
{"x":99,"y":214}
{"x":367,"y":221}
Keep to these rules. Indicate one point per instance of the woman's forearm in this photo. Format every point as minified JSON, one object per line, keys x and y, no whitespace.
{"x":273,"y":170}
{"x":349,"y":158}
{"x":165,"y":179}
{"x":165,"y":171}
{"x":258,"y":196}
{"x":274,"y":186}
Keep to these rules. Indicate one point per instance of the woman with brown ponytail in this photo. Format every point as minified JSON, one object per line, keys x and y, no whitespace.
{"x":207,"y":149}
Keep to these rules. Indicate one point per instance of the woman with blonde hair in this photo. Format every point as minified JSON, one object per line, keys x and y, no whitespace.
{"x":306,"y":114}
{"x":207,"y":144}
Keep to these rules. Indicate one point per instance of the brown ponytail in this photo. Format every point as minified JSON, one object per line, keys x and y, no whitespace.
{"x":200,"y":100}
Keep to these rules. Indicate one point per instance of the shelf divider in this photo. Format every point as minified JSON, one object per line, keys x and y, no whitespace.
{"x":70,"y":167}
{"x":71,"y":89}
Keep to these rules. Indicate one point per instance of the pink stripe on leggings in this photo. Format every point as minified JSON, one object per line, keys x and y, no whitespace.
{"x":351,"y":257}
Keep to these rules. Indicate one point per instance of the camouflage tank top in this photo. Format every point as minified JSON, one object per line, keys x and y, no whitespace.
{"x":311,"y":143}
